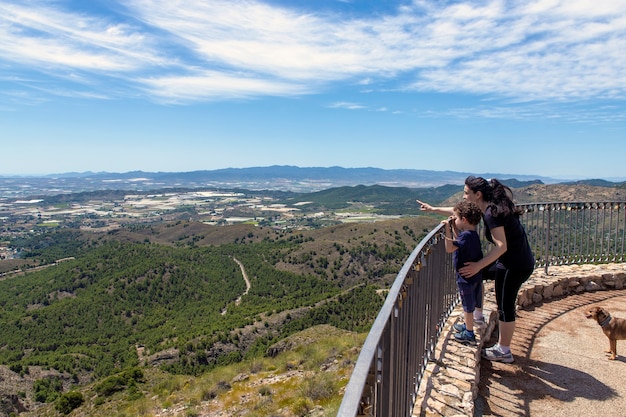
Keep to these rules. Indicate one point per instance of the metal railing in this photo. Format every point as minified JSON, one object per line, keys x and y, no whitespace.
{"x":393,"y":359}
{"x":574,"y":233}
{"x":402,"y":340}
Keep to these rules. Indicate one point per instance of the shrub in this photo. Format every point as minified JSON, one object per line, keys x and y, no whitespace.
{"x":319,"y":387}
{"x":301,"y":407}
{"x":69,"y":402}
{"x":16,"y":367}
{"x":119,"y":382}
{"x":208,"y":394}
{"x":47,"y":389}
{"x":133,"y":392}
{"x":264,"y":391}
{"x":111,"y":385}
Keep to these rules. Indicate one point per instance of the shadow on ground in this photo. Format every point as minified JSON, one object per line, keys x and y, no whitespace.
{"x":560,"y":368}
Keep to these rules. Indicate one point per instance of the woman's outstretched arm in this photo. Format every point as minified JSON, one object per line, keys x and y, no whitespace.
{"x":446,"y":211}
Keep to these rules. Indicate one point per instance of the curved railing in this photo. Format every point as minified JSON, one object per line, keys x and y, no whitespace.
{"x":574,"y":233}
{"x":402,"y":339}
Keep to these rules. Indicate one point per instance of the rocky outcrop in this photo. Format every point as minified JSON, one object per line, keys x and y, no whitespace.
{"x":11,"y":405}
{"x":16,"y":389}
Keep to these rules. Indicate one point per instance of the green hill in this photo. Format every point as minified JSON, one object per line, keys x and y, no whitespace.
{"x":385,"y":200}
{"x":388,"y":200}
{"x":172,"y":297}
{"x":597,"y":183}
{"x":90,"y":314}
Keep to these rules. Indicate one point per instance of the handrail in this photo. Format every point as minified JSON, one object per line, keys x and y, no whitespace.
{"x":576,"y":232}
{"x":402,"y":339}
{"x":392,"y":362}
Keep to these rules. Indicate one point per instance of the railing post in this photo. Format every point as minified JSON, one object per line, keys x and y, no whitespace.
{"x":547,"y":250}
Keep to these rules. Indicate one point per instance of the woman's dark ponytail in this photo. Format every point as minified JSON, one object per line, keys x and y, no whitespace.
{"x":498,"y":195}
{"x":502,"y":200}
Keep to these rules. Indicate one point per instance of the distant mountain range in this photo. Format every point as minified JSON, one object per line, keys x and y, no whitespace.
{"x":338,"y":176}
{"x":277,"y":177}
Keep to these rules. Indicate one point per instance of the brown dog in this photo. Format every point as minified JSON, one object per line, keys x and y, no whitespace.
{"x":613,"y":327}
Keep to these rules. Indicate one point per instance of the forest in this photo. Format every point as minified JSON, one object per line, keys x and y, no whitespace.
{"x":119,"y":301}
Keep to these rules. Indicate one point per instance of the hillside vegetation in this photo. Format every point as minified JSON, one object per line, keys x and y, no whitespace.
{"x":172,"y":296}
{"x":305,"y":378}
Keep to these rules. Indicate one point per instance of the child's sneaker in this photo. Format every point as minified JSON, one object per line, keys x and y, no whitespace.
{"x":495,"y":354}
{"x":465,"y":337}
{"x":459,"y":327}
{"x":479,"y":322}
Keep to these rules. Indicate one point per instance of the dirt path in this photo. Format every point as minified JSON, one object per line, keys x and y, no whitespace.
{"x":245,"y":277}
{"x":248,"y":284}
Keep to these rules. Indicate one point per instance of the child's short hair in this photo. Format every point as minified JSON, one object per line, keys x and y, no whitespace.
{"x":469,"y":211}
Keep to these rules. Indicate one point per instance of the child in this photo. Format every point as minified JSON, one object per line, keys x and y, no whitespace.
{"x":462,"y":239}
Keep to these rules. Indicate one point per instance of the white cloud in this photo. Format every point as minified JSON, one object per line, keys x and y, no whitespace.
{"x":47,"y":37}
{"x":551,"y":50}
{"x":213,"y":85}
{"x":347,"y":105}
{"x":256,"y":37}
{"x":571,"y":113}
{"x":192,"y":50}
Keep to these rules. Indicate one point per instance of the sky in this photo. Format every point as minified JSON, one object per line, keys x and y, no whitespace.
{"x":534,"y":87}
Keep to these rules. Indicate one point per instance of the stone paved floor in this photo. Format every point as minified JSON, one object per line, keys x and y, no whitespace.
{"x":560,"y":368}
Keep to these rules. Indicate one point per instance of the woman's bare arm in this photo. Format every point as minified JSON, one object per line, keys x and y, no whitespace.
{"x":446,"y":211}
{"x":499,"y":239}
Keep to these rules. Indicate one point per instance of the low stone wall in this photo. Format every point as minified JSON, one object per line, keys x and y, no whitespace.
{"x":450,"y":384}
{"x":572,"y":279}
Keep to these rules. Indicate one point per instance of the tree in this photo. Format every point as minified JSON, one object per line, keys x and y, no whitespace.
{"x":69,"y":402}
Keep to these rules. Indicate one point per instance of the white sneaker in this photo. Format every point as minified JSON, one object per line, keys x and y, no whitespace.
{"x":496,"y":355}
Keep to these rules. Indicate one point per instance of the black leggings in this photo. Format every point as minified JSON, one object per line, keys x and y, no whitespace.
{"x":508,"y":282}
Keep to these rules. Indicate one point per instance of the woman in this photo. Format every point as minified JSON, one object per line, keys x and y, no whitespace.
{"x":511,"y":252}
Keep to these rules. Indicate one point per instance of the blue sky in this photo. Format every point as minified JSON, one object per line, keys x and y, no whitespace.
{"x":535,"y":87}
